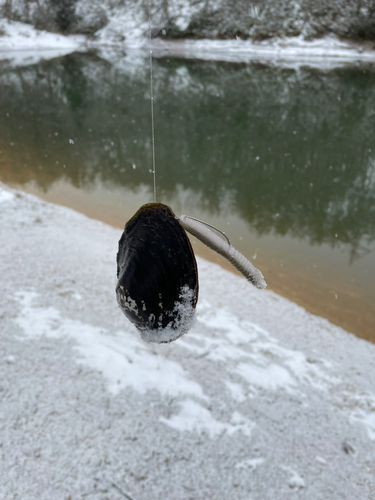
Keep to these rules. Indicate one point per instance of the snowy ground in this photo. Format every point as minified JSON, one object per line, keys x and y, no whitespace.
{"x":22,"y":44}
{"x":261,"y":400}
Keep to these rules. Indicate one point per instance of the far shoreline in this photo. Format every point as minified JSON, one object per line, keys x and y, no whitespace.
{"x":326,"y":52}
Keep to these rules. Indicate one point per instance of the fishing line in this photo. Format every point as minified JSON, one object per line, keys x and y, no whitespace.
{"x":152,"y":104}
{"x":159,"y":294}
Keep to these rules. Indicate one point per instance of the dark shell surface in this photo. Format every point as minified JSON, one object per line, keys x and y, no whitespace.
{"x":157,"y":272}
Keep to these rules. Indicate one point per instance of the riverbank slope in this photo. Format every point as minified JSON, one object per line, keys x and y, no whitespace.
{"x":260,"y":398}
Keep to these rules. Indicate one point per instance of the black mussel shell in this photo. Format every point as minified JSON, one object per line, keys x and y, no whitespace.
{"x":157,"y":274}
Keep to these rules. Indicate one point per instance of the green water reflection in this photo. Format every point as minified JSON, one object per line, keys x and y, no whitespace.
{"x":288,"y":152}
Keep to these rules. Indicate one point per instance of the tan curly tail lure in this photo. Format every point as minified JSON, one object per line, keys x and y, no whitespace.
{"x":202,"y":231}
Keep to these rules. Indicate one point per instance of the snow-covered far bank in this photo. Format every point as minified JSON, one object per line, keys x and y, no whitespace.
{"x":259,"y":400}
{"x":21,"y":36}
{"x":328,"y":51}
{"x":22,"y":44}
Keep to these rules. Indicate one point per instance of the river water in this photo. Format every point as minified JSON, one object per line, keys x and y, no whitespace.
{"x":283,"y":160}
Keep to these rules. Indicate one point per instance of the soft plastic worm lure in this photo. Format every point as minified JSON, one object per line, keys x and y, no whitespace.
{"x":201,"y":231}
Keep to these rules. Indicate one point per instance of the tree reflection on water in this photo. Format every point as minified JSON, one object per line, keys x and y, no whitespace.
{"x":289,"y":151}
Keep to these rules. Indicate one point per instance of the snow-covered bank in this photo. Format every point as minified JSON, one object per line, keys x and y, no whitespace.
{"x":22,"y":44}
{"x":21,"y":36}
{"x":323,"y":53}
{"x":260,"y":400}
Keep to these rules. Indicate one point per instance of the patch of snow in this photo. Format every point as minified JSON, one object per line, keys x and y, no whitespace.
{"x":251,"y":463}
{"x":294,"y":479}
{"x":263,"y":364}
{"x":122,"y":358}
{"x":182,"y":12}
{"x":6,"y":196}
{"x":240,"y":423}
{"x":195,"y":418}
{"x":236,"y":391}
{"x":261,"y":361}
{"x":269,"y":377}
{"x":10,"y":359}
{"x":130,"y":28}
{"x":364,"y":412}
{"x":184,"y":320}
{"x":21,"y":36}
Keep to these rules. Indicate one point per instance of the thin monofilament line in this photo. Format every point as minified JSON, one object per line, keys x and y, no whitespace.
{"x":152,"y":106}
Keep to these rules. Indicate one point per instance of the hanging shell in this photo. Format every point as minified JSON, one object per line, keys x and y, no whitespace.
{"x":157,"y":286}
